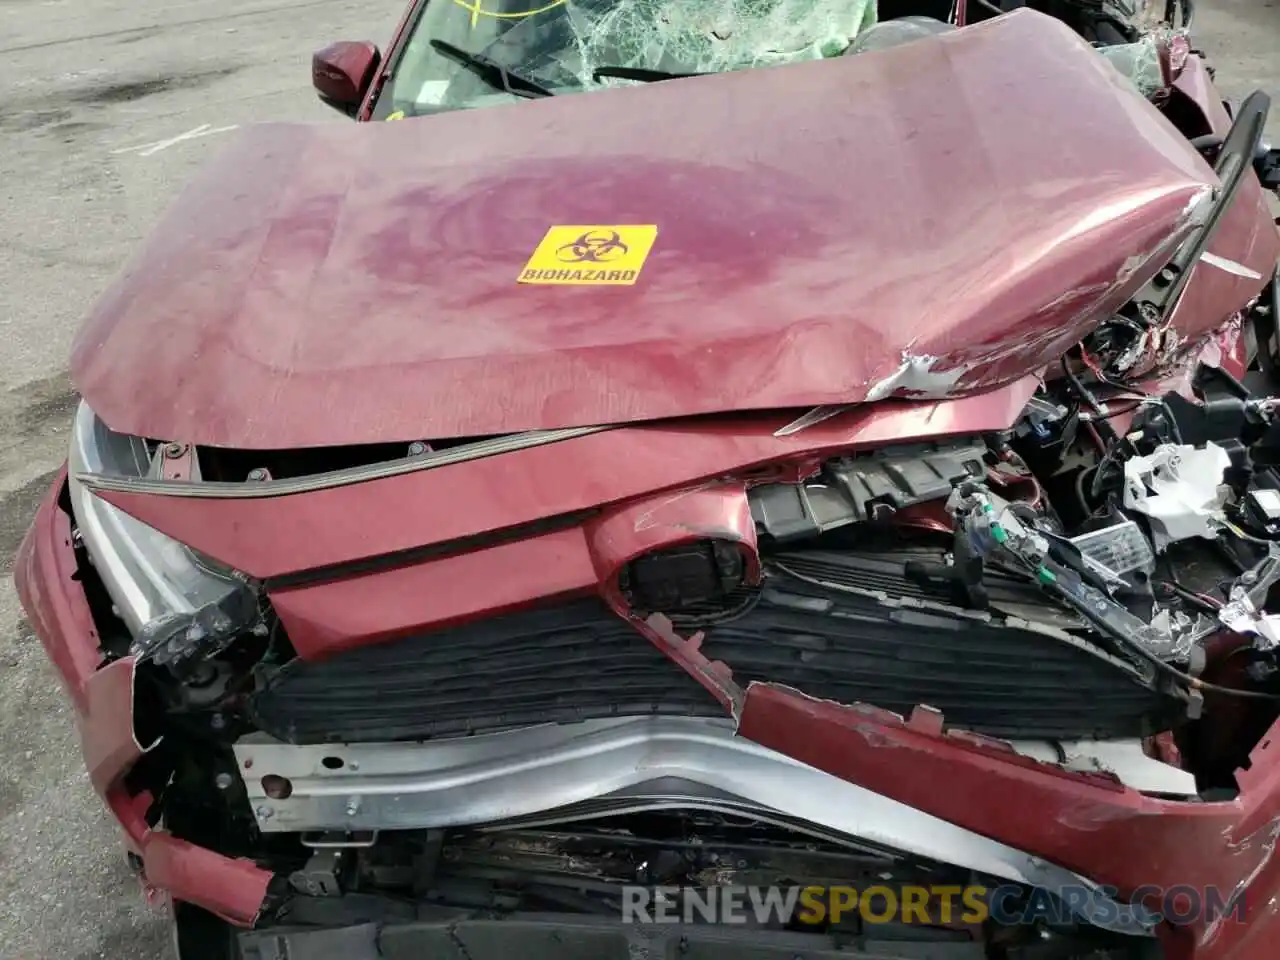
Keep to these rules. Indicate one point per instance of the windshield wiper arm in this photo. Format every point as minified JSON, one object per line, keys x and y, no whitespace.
{"x":640,"y":73}
{"x":492,"y":71}
{"x":1237,"y":155}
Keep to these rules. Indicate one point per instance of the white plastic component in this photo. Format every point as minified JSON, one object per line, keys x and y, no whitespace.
{"x":1268,"y":502}
{"x":1241,"y":616}
{"x":1116,"y":550}
{"x":1179,"y":487}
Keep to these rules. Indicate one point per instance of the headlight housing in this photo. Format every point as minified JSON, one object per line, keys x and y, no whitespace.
{"x":176,"y":603}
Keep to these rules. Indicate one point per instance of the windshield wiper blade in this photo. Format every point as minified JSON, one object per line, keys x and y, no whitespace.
{"x":492,"y":71}
{"x":640,"y":73}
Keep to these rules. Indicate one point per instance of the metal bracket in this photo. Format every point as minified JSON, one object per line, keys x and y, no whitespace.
{"x":176,"y":461}
{"x":319,"y":878}
{"x":339,"y":841}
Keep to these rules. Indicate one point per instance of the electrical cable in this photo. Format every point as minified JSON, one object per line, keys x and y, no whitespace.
{"x":1085,"y":394}
{"x":1195,"y":683}
{"x":1199,"y":600}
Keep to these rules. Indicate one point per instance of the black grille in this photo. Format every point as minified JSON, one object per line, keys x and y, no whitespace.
{"x":579,"y":661}
{"x":999,"y":680}
{"x":555,"y":665}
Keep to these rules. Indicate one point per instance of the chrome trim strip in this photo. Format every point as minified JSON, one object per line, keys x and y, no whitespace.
{"x":250,"y":490}
{"x":495,"y":777}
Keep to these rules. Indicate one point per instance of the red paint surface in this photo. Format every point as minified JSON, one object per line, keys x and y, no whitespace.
{"x":1195,"y":83}
{"x":107,"y":737}
{"x":331,"y":616}
{"x":103,"y":699}
{"x":332,"y":284}
{"x":232,"y":889}
{"x":279,"y":535}
{"x":718,"y":510}
{"x":53,"y":602}
{"x":360,"y":610}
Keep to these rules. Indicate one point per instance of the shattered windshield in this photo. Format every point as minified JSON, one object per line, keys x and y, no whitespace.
{"x":558,"y":44}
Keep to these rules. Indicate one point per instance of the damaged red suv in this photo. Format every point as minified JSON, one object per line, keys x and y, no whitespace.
{"x":816,"y":495}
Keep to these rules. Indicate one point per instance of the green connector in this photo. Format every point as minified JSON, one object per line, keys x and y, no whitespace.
{"x":1046,"y":575}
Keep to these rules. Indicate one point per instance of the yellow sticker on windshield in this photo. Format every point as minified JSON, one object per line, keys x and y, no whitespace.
{"x":477,"y":10}
{"x":398,"y":115}
{"x":590,"y":255}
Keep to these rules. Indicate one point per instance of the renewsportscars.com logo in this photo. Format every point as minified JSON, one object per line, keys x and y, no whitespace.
{"x":928,"y":905}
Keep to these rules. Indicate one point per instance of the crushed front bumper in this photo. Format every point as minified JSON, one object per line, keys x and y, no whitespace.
{"x":1087,"y":823}
{"x":103,"y":696}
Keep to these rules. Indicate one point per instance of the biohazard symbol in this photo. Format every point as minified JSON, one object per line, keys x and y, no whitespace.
{"x":594,"y":246}
{"x":590,"y":253}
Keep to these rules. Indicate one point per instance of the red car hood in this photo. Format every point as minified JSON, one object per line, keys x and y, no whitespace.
{"x":940,"y":217}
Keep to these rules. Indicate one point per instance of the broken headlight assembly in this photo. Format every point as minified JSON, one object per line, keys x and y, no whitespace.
{"x":176,"y":603}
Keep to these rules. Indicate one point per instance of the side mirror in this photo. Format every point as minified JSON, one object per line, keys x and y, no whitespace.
{"x":342,"y":73}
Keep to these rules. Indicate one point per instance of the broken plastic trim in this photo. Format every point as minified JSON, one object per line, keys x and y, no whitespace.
{"x":152,"y":579}
{"x":1245,"y":612}
{"x":177,"y":638}
{"x":991,"y":526}
{"x":335,"y":478}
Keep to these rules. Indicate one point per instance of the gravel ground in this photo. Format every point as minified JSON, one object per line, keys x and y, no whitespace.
{"x":108,"y":106}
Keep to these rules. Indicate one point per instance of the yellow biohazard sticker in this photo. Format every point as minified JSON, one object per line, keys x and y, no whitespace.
{"x":398,"y":115}
{"x":590,"y":255}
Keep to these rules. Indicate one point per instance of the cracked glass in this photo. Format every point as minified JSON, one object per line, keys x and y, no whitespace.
{"x":559,"y":44}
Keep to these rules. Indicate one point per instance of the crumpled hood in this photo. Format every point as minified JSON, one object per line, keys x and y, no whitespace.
{"x":940,"y":217}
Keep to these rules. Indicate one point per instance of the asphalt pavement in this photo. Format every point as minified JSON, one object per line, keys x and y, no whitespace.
{"x":106,"y":108}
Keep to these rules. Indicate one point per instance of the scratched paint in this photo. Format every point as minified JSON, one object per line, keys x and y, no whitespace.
{"x":915,"y":376}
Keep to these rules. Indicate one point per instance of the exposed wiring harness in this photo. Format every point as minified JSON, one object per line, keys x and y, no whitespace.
{"x":1086,"y":395}
{"x":1101,"y":416}
{"x":1200,"y":601}
{"x":1058,"y":580}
